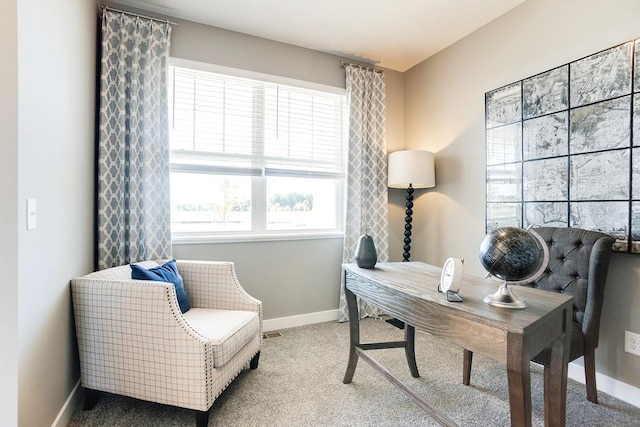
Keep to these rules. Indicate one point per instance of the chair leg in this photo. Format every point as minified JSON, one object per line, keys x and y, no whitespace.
{"x":590,"y":374}
{"x":466,"y":367}
{"x":90,"y":398}
{"x":202,"y":418}
{"x":254,"y":362}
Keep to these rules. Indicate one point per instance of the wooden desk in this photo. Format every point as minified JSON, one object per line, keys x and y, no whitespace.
{"x":408,"y":292}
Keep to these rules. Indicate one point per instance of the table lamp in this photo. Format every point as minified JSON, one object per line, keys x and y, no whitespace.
{"x":410,"y":169}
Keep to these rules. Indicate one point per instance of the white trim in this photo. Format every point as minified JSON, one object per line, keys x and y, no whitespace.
{"x":186,"y":239}
{"x":300,"y":320}
{"x":257,"y":164}
{"x":255,"y":75}
{"x":606,"y":384}
{"x":64,"y":416}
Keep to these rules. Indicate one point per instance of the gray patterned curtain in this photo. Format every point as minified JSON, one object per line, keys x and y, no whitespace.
{"x":367,"y":172}
{"x":133,"y":217}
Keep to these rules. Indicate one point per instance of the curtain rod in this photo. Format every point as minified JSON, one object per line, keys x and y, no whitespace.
{"x":345,"y":63}
{"x":139,"y":15}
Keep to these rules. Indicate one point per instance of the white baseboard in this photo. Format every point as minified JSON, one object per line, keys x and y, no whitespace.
{"x":611,"y":386}
{"x":299,"y":320}
{"x":64,"y":416}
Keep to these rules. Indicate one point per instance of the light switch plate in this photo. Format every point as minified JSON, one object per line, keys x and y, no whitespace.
{"x":31,"y":214}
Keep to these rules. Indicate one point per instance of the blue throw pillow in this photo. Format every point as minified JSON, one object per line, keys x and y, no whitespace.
{"x":167,"y":272}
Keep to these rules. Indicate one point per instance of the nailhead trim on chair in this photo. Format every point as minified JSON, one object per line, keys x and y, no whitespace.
{"x":154,"y":353}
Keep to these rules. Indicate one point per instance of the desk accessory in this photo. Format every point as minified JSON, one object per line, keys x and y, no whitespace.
{"x":451,"y":278}
{"x":366,"y":255}
{"x":515,"y":256}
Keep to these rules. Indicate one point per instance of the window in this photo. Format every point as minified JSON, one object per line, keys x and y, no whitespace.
{"x":253,"y":157}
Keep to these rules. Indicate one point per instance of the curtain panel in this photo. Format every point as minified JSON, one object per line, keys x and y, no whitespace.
{"x":133,"y":204}
{"x":367,"y":203}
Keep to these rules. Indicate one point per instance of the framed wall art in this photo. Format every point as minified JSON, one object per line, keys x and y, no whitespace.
{"x":563,"y":148}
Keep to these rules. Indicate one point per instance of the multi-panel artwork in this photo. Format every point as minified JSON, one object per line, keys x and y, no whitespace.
{"x":563,"y":148}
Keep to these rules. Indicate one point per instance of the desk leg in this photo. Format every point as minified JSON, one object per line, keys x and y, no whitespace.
{"x":354,"y":334}
{"x":519,"y":376}
{"x":555,"y":378}
{"x":410,"y":350}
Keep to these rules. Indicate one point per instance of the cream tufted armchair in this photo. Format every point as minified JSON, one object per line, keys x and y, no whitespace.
{"x":578,"y":265}
{"x":134,"y":340}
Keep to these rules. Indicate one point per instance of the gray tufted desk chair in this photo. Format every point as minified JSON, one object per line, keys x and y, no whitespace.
{"x":578,"y":265}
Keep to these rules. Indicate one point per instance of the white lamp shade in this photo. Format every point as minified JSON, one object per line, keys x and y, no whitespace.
{"x":415,"y":167}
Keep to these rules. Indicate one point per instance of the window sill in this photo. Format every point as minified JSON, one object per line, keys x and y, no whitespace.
{"x":249,"y":238}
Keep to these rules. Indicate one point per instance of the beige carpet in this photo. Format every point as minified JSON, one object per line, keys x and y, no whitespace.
{"x":299,"y":383}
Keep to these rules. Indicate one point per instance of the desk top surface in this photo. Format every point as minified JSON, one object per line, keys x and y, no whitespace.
{"x":420,"y":282}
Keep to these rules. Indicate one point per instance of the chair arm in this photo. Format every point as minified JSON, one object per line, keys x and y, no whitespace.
{"x":133,"y":340}
{"x":137,"y":323}
{"x":598,"y":268}
{"x":214,"y":284}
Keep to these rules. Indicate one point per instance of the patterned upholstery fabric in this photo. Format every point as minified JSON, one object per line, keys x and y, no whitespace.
{"x":578,"y":265}
{"x":134,"y":341}
{"x":227,"y":330}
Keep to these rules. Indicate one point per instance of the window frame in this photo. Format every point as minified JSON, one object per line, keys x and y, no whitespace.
{"x":258,"y":230}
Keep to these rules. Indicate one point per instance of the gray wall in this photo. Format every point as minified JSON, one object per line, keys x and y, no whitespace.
{"x":9,"y":212}
{"x":290,"y":277}
{"x":444,"y":113}
{"x":212,"y":45}
{"x":53,"y":113}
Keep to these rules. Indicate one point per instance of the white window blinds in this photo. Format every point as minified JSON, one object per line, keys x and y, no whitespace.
{"x":229,"y":125}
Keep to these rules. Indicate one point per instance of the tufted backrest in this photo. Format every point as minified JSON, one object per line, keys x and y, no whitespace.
{"x":578,"y":265}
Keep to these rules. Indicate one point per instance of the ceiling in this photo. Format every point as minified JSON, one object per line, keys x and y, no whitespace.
{"x":394,"y":34}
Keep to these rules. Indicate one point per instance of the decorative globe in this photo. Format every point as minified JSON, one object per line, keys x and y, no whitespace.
{"x":511,"y":254}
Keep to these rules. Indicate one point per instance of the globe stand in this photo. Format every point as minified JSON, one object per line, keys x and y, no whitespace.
{"x":504,"y":297}
{"x":453,"y":296}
